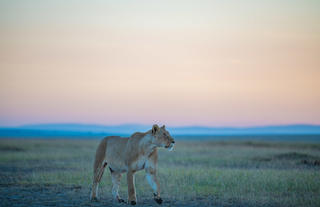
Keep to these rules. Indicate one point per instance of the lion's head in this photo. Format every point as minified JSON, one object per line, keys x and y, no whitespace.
{"x":162,"y":137}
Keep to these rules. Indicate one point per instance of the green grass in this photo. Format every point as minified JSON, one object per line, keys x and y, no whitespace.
{"x":251,"y":173}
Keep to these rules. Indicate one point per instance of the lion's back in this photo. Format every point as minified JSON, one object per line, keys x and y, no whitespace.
{"x":116,"y":142}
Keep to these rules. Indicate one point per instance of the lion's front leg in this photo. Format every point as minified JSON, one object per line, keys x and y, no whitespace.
{"x":131,"y":188}
{"x":154,"y":183}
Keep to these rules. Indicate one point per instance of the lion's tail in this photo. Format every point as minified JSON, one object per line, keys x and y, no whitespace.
{"x":99,"y":159}
{"x":98,"y":167}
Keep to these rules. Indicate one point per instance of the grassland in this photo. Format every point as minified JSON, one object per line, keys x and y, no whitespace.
{"x":196,"y":173}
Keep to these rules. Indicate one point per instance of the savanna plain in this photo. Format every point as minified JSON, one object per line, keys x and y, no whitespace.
{"x":233,"y":172}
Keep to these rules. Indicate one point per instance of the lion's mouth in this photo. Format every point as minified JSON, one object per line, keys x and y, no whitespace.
{"x":170,"y":146}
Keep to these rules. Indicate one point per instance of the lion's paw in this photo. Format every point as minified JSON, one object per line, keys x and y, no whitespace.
{"x":158,"y":200}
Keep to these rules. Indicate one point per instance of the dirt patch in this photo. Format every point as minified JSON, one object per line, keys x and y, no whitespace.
{"x":294,"y":156}
{"x":12,"y":169}
{"x":287,"y":156}
{"x":5,"y":148}
{"x":311,"y":162}
{"x":65,"y":196}
{"x":262,"y":159}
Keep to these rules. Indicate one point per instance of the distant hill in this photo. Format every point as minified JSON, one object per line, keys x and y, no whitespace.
{"x":264,"y":130}
{"x":74,"y":129}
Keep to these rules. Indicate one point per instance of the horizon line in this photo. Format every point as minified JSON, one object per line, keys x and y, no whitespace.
{"x":169,"y":126}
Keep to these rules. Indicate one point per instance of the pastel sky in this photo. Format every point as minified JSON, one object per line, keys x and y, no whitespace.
{"x":212,"y":63}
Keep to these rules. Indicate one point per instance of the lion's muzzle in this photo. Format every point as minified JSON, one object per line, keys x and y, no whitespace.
{"x":170,"y":145}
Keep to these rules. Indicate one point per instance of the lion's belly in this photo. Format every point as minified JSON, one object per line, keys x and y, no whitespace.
{"x":139,"y":164}
{"x":118,"y":167}
{"x":117,"y":163}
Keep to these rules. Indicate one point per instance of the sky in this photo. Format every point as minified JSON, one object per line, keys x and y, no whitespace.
{"x":179,"y":63}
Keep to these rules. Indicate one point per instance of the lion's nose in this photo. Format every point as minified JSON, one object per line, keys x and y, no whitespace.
{"x":172,"y":142}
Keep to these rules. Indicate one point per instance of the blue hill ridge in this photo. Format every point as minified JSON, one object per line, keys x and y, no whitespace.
{"x":76,"y":129}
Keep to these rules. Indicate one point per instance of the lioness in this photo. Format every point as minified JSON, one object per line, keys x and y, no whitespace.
{"x":130,"y":155}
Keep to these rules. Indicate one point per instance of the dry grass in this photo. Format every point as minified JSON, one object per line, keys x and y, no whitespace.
{"x":249,"y":173}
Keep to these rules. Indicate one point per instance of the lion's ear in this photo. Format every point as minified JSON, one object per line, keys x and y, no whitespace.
{"x":155,"y":128}
{"x":163,"y":127}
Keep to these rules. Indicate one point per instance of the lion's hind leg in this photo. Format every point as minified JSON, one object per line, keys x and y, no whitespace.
{"x":96,"y":180}
{"x":116,"y":177}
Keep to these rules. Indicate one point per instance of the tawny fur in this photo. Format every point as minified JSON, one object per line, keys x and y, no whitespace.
{"x":100,"y":154}
{"x":128,"y":155}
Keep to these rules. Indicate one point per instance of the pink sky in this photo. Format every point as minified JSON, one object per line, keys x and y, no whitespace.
{"x":207,"y":63}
